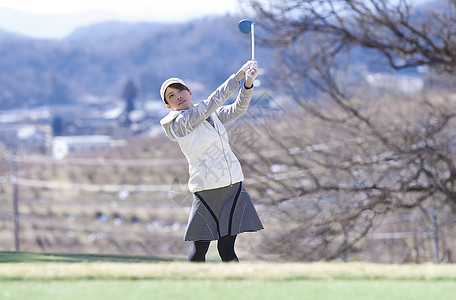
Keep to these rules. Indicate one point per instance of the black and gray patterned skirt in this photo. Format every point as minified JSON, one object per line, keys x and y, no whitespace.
{"x":220,"y":212}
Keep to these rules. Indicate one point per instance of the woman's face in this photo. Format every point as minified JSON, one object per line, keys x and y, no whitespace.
{"x":178,"y":99}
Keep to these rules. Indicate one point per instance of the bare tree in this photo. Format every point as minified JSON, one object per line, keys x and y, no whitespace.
{"x":406,"y":36}
{"x":362,"y":161}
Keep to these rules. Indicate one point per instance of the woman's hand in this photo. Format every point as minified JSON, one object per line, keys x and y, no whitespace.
{"x":250,"y":70}
{"x":251,"y":74}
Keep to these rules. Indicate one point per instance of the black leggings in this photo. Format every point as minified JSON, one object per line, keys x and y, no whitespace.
{"x":225,"y":248}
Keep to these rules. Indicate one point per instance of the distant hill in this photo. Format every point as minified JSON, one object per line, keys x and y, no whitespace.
{"x":102,"y":32}
{"x":99,"y":59}
{"x":4,"y":34}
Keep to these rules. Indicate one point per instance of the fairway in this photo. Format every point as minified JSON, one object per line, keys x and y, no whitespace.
{"x":77,"y":276}
{"x":227,"y":289}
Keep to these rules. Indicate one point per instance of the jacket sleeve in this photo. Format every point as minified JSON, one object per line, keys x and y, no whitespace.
{"x":231,"y":112}
{"x":184,"y":122}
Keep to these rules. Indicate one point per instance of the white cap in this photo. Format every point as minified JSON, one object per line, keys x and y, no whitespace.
{"x":167,"y":83}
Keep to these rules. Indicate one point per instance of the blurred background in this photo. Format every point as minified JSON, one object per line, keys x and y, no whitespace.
{"x":348,"y":146}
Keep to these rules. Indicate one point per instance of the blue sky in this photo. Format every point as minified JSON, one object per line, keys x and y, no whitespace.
{"x":57,"y":18}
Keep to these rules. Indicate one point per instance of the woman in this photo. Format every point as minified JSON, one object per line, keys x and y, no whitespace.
{"x":221,"y":208}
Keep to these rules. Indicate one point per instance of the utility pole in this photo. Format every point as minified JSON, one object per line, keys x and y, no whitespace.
{"x":436,"y":237}
{"x":435,"y":230}
{"x":15,"y":197}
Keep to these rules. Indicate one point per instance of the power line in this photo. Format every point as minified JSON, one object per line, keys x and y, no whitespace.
{"x":114,"y":188}
{"x":89,"y":187}
{"x":43,"y":159}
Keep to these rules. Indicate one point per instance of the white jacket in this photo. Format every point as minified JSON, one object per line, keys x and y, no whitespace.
{"x":212,"y":163}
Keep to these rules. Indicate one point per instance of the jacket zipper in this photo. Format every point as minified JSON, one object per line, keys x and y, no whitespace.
{"x":224,"y":155}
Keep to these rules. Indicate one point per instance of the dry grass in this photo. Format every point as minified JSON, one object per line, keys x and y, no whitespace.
{"x":221,"y":271}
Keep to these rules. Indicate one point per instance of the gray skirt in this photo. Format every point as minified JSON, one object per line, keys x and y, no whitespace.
{"x":220,"y":212}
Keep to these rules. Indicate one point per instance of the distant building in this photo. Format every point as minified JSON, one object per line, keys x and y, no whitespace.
{"x":33,"y":136}
{"x":64,"y":145}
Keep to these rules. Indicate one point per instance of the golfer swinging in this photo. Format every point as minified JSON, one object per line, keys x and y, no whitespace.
{"x":221,"y":208}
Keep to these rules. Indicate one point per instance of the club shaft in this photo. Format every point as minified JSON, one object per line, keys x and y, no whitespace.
{"x":252,"y":31}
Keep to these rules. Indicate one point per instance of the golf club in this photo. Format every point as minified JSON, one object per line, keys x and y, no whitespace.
{"x":246,"y":26}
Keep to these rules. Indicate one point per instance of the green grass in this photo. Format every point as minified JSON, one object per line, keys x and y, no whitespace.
{"x":227,"y":289}
{"x":80,"y":276}
{"x":25,"y":257}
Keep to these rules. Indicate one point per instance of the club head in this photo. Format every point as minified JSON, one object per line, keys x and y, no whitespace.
{"x":245,"y":26}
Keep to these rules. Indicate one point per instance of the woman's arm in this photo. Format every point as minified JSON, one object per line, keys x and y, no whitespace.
{"x":188,"y":120}
{"x":231,"y":112}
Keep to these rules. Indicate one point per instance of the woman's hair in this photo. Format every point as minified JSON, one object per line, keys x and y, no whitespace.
{"x":178,"y":86}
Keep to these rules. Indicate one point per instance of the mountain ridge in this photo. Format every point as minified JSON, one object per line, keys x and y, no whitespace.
{"x":98,"y":59}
